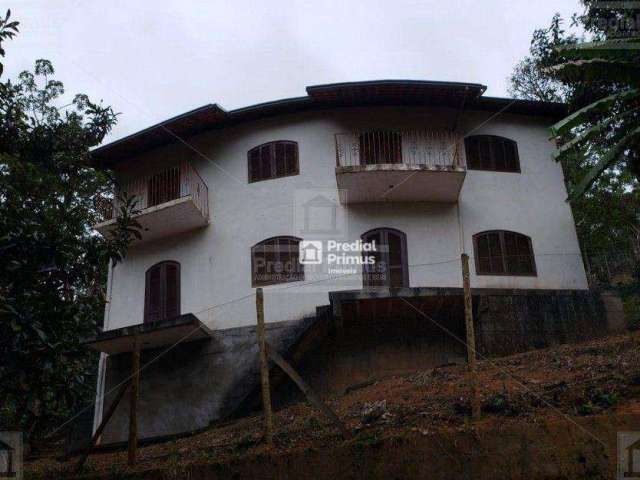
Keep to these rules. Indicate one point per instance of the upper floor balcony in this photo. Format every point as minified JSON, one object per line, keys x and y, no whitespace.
{"x":168,"y":201}
{"x":400,"y":166}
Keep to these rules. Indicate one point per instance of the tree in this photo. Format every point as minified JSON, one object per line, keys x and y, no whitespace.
{"x":607,"y":129}
{"x":530,"y":79}
{"x":599,"y":170}
{"x":598,"y":75}
{"x":53,"y":266}
{"x":7,"y":31}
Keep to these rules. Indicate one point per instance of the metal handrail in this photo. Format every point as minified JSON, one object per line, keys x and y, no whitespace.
{"x":160,"y":187}
{"x":432,"y":148}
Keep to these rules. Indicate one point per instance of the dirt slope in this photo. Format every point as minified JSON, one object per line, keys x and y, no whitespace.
{"x":550,"y":413}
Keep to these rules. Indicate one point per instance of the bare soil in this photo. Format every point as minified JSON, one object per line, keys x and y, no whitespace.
{"x":572,"y":396}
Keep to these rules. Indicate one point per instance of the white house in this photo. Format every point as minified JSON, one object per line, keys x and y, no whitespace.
{"x":425,"y":170}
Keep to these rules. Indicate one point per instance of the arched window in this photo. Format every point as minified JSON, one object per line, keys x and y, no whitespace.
{"x":276,"y":260}
{"x":499,"y":252}
{"x":380,"y":146}
{"x":489,"y":152}
{"x":162,"y":292}
{"x":390,"y":268}
{"x":273,"y":160}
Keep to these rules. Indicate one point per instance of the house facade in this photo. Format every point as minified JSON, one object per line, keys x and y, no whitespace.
{"x":425,"y":171}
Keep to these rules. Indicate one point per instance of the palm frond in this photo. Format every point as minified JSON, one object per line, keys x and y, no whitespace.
{"x":615,"y":49}
{"x":612,"y":155}
{"x":565,"y":125}
{"x":593,"y":131}
{"x":598,"y":70}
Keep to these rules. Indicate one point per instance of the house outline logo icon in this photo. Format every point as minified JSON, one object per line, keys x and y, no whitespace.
{"x":313,"y":209}
{"x":10,"y":455}
{"x":310,"y":252}
{"x":628,"y":455}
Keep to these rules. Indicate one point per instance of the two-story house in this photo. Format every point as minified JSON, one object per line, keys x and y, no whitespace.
{"x":424,"y":171}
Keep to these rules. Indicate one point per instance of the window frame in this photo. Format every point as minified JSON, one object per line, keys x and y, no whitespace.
{"x":504,"y":140}
{"x":273,"y":161}
{"x":264,"y":283}
{"x":404,"y":254}
{"x":163,"y":290}
{"x":503,"y":257}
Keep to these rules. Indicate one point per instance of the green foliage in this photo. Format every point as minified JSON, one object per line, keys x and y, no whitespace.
{"x":530,"y":79}
{"x":608,"y":129}
{"x":586,"y":408}
{"x":594,"y":71}
{"x":7,"y":31}
{"x":53,"y":265}
{"x":500,"y":404}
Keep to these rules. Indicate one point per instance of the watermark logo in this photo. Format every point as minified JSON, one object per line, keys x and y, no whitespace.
{"x":341,"y":258}
{"x":311,"y":252}
{"x":317,"y":214}
{"x":11,"y":455}
{"x":619,"y":19}
{"x":628,"y":455}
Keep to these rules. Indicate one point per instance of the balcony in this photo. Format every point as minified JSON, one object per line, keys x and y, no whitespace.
{"x":400,"y":166}
{"x":169,"y":201}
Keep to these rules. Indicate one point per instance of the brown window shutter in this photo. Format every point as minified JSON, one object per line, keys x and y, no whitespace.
{"x":172,"y":288}
{"x":153,"y":294}
{"x":254,"y":165}
{"x":473,"y":152}
{"x":280,"y":159}
{"x":291,"y":158}
{"x":391,"y":265}
{"x":503,"y":253}
{"x":273,"y":160}
{"x":492,"y":153}
{"x":162,"y":292}
{"x":276,"y":260}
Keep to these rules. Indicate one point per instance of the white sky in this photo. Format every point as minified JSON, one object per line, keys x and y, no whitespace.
{"x":153,"y":59}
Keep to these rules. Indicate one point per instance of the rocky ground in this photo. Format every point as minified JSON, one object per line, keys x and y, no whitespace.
{"x":565,"y":385}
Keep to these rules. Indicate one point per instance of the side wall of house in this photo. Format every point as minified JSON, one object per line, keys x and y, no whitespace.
{"x":215,"y":261}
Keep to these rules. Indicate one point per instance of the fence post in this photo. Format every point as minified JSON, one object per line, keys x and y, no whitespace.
{"x":133,"y":412}
{"x":264,"y":368}
{"x":471,"y":337}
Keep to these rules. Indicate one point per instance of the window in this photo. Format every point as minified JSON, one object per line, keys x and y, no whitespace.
{"x":163,"y":187}
{"x":390,"y":268}
{"x":503,"y":253}
{"x":162,"y":292}
{"x":488,"y":152}
{"x":276,"y":260}
{"x":380,"y":147}
{"x":273,"y":160}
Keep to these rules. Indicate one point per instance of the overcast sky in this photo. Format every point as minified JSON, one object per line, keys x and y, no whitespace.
{"x":153,"y":59}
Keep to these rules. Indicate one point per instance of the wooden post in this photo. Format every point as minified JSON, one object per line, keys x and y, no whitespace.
{"x":313,"y":398}
{"x":264,"y":368}
{"x":133,"y":402}
{"x":471,"y":337}
{"x":103,"y":424}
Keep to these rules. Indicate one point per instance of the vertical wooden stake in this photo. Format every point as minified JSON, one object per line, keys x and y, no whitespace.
{"x":133,"y":402}
{"x":471,"y":337}
{"x":264,"y":368}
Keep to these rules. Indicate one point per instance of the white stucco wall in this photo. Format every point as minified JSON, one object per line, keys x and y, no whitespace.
{"x":215,"y":261}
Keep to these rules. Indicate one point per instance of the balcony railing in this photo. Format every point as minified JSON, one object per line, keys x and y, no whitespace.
{"x":429,"y":148}
{"x":160,"y":187}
